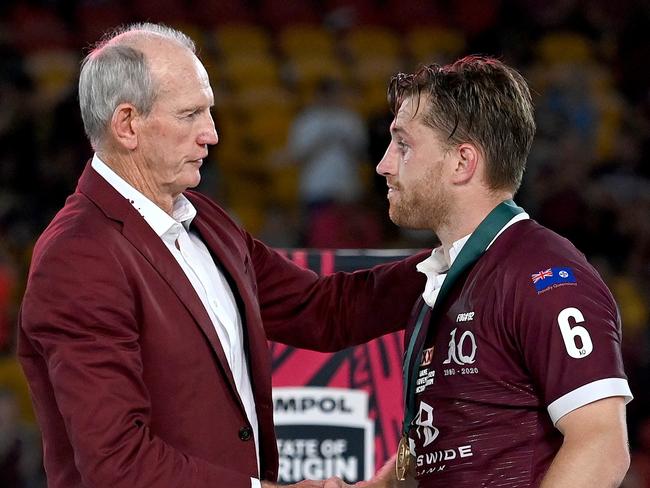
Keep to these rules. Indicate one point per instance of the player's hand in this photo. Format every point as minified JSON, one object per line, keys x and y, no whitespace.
{"x":335,"y":483}
{"x":302,"y":484}
{"x":339,"y":483}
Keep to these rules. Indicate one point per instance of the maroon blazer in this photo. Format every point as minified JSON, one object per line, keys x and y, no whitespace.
{"x":129,"y":381}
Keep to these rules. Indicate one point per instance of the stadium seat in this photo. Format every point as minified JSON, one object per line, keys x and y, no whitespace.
{"x":269,"y":98}
{"x":166,"y":11}
{"x":54,"y":72}
{"x":250,"y":70}
{"x":372,"y":41}
{"x":565,"y":47}
{"x":94,"y":19}
{"x":33,"y":28}
{"x":306,"y":41}
{"x":12,"y":378}
{"x":279,"y":14}
{"x":351,"y":13}
{"x":368,"y":70}
{"x":434,"y":44}
{"x":407,"y":14}
{"x":235,"y":39}
{"x":372,"y":99}
{"x":209,"y":14}
{"x":307,"y":72}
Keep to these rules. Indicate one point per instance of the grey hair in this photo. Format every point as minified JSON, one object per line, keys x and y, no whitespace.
{"x":116,"y":72}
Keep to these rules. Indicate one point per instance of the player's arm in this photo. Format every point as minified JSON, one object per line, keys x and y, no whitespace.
{"x":335,"y":311}
{"x":595,"y":447}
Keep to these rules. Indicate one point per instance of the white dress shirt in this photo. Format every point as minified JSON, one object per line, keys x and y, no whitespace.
{"x":208,"y":281}
{"x":435,"y":267}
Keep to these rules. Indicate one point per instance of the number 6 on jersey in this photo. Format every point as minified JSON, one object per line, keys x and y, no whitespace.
{"x":569,"y":333}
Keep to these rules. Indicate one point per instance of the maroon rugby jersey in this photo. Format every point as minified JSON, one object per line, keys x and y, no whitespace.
{"x":531,"y":334}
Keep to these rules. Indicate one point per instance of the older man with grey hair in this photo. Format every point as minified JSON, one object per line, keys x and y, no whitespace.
{"x":144,"y":325}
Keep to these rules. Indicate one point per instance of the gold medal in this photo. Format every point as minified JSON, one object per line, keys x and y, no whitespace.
{"x":403,"y":458}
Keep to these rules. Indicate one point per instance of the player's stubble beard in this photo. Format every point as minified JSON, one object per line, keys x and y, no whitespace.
{"x":425,"y":204}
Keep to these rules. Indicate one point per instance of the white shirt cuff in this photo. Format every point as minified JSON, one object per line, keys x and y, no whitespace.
{"x":255,"y":483}
{"x":597,"y":390}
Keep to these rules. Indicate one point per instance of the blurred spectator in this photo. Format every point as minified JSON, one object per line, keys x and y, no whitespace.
{"x":329,"y":142}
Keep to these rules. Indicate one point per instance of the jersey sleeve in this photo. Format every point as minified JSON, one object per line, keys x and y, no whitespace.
{"x":569,"y":332}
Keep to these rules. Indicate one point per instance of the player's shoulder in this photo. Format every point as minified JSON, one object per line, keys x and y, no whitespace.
{"x":528,"y":245}
{"x":531,"y":256}
{"x":528,"y":241}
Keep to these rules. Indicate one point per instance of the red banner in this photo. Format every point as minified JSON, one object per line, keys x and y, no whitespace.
{"x":374,"y":368}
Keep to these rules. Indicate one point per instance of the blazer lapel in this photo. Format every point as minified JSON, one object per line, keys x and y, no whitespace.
{"x":233,"y":257}
{"x":228,"y":258}
{"x":148,"y":243}
{"x":229,"y":249}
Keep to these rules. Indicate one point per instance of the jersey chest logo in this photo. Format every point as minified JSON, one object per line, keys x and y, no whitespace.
{"x":430,"y":458}
{"x":462,"y":349}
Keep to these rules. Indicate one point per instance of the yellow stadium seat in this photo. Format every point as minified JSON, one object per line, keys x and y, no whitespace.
{"x":429,"y":45}
{"x":565,"y":47}
{"x":55,"y":73}
{"x":376,"y":70}
{"x":306,"y":41}
{"x":373,"y":42}
{"x":250,"y":70}
{"x":264,"y":98}
{"x":307,"y":72}
{"x":372,"y":99}
{"x":12,"y":378}
{"x":269,"y":130}
{"x":234,"y":39}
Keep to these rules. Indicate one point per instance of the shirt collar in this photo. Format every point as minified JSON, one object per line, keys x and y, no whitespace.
{"x":438,"y":262}
{"x":435,"y":267}
{"x":183,"y":212}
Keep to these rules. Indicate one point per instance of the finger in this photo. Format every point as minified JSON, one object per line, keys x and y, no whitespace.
{"x":309,"y":484}
{"x":335,"y":483}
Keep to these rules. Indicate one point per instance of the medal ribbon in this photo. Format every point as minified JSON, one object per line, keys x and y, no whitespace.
{"x":469,"y":254}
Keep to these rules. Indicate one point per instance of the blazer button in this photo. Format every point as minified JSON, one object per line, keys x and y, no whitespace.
{"x":245,"y":433}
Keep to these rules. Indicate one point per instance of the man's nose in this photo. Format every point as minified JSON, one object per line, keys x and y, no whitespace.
{"x":388,"y":164}
{"x":208,"y":134}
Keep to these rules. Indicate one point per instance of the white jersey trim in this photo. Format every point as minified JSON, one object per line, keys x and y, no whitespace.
{"x":597,"y":390}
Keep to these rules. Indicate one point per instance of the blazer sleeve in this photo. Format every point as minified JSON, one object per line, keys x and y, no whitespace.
{"x":79,"y":314}
{"x":333,"y":312}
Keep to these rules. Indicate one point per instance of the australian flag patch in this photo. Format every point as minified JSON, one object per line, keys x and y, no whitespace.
{"x":552,"y":277}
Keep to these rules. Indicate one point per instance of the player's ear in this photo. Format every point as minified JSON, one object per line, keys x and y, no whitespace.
{"x":467,"y":160}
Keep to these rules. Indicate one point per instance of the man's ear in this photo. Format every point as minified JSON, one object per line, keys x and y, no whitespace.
{"x":124,"y":126}
{"x":467,"y":163}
